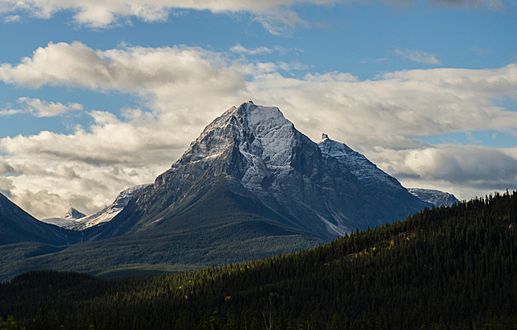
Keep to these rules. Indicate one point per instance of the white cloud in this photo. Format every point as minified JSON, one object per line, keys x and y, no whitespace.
{"x":275,"y":15}
{"x":465,"y":170}
{"x":6,"y":185}
{"x":185,"y":88}
{"x":40,"y":108}
{"x":418,"y":56}
{"x":10,"y":112}
{"x":240,"y":49}
{"x":12,"y":18}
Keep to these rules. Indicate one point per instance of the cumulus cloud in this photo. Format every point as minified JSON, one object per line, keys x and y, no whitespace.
{"x":418,"y":56}
{"x":134,"y":69}
{"x":184,"y":88}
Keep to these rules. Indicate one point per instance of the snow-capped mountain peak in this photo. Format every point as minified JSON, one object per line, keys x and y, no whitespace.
{"x":74,"y":214}
{"x":258,"y":135}
{"x":66,"y":221}
{"x":248,"y":125}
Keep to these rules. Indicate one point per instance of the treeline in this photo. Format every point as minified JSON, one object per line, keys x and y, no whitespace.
{"x":445,"y":268}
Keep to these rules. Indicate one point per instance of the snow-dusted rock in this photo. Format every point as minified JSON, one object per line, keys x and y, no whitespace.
{"x":109,"y":212}
{"x":435,"y":197}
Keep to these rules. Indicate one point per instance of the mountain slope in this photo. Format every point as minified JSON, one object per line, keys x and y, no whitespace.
{"x":17,"y":225}
{"x":445,"y":268}
{"x":225,"y":224}
{"x":435,"y":197}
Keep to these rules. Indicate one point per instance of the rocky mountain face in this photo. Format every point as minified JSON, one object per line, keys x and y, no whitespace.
{"x":323,"y":190}
{"x":435,"y":197}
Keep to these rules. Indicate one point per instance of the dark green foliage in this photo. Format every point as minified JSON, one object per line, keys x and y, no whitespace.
{"x":440,"y":269}
{"x":9,"y":323}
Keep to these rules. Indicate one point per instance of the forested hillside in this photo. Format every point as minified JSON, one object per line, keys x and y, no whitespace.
{"x":442,"y":268}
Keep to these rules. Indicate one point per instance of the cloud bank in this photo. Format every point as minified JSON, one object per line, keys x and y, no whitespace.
{"x":183,"y":88}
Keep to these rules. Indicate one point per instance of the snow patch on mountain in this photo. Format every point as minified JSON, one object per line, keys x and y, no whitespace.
{"x":269,"y":150}
{"x":339,"y":229}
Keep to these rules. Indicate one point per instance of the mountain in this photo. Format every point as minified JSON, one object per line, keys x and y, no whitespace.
{"x":67,"y":221}
{"x":17,"y":226}
{"x":321,"y":190}
{"x":75,"y":220}
{"x":444,"y":268}
{"x":435,"y":197}
{"x":250,"y":186}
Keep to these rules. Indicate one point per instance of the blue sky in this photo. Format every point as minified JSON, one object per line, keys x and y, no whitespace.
{"x":363,"y":57}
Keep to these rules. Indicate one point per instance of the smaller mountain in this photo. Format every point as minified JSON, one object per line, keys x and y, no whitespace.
{"x":76,"y":220}
{"x":68,"y":221}
{"x":109,"y":212}
{"x":436,"y":197}
{"x":74,"y":214}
